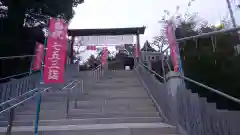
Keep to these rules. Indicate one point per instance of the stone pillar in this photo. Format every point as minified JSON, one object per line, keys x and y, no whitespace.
{"x":137,"y":59}
{"x":138,"y":44}
{"x":149,"y":65}
{"x":173,"y":82}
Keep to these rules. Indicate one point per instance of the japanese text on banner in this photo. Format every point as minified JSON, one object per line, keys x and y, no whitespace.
{"x":56,"y":52}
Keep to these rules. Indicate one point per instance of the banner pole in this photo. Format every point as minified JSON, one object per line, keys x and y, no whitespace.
{"x":44,"y":53}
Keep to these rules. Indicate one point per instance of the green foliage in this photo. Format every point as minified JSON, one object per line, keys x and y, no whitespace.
{"x":17,"y":38}
{"x":213,"y":61}
{"x":92,"y":61}
{"x":53,"y":8}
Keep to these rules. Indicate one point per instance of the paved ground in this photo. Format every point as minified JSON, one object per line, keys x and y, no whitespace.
{"x":115,"y":105}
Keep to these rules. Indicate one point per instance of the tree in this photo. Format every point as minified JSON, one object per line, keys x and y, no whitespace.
{"x":92,"y":61}
{"x":212,"y":61}
{"x":160,"y":41}
{"x":36,"y":10}
{"x":21,"y":25}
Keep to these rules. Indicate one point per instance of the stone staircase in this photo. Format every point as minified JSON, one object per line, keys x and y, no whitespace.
{"x":116,"y":105}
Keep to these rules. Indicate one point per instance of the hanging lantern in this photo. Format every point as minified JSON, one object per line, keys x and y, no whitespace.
{"x":91,"y":47}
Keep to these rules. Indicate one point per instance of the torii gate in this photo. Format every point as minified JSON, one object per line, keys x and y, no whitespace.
{"x":106,"y":32}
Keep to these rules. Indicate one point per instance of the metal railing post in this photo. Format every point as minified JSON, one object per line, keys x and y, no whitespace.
{"x":76,"y":96}
{"x":38,"y":108}
{"x":10,"y":121}
{"x":67,"y":103}
{"x":94,"y":75}
{"x":82,"y":86}
{"x":102,"y":70}
{"x":97,"y":74}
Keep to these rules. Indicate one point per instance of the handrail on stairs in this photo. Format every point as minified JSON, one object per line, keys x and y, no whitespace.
{"x":16,"y":98}
{"x":69,"y":88}
{"x":187,"y":111}
{"x":35,"y":93}
{"x":12,"y":107}
{"x":38,"y":93}
{"x":197,"y":83}
{"x":97,"y":72}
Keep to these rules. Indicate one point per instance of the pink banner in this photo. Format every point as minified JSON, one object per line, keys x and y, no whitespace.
{"x":104,"y":56}
{"x":56,"y":52}
{"x":37,"y":60}
{"x":174,"y":49}
{"x":172,"y":44}
{"x":136,"y":52}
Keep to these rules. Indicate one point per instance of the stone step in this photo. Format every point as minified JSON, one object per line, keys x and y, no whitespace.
{"x":93,"y":109}
{"x":113,"y":114}
{"x":85,"y":121}
{"x":116,"y":101}
{"x":98,"y":129}
{"x":117,"y":88}
{"x":76,"y":115}
{"x":130,"y":93}
{"x":93,"y":103}
{"x":48,"y":105}
{"x":117,"y":95}
{"x":119,"y":82}
{"x":88,"y":96}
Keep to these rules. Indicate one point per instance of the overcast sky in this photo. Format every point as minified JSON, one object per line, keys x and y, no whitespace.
{"x":132,"y":13}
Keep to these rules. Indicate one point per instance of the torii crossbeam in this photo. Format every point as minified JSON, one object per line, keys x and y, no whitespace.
{"x":106,"y":32}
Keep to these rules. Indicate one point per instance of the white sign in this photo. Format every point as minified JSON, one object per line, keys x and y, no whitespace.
{"x":106,"y":40}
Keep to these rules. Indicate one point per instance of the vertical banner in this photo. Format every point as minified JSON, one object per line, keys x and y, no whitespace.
{"x":136,"y":52}
{"x":56,"y":52}
{"x":174,"y":48}
{"x":104,"y":56}
{"x":37,"y":59}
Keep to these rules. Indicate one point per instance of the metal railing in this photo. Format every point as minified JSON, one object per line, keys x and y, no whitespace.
{"x":98,"y":72}
{"x":192,"y":114}
{"x":14,"y":85}
{"x":18,"y":91}
{"x":203,"y":35}
{"x":17,"y":87}
{"x":12,"y":104}
{"x":74,"y":88}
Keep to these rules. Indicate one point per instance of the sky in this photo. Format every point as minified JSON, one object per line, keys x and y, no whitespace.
{"x":137,"y":13}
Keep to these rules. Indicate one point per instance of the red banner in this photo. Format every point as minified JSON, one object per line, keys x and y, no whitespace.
{"x":37,"y":59}
{"x":56,"y":52}
{"x":104,"y":56}
{"x":91,"y":47}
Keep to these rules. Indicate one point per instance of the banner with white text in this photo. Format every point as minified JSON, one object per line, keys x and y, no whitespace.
{"x":55,"y":52}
